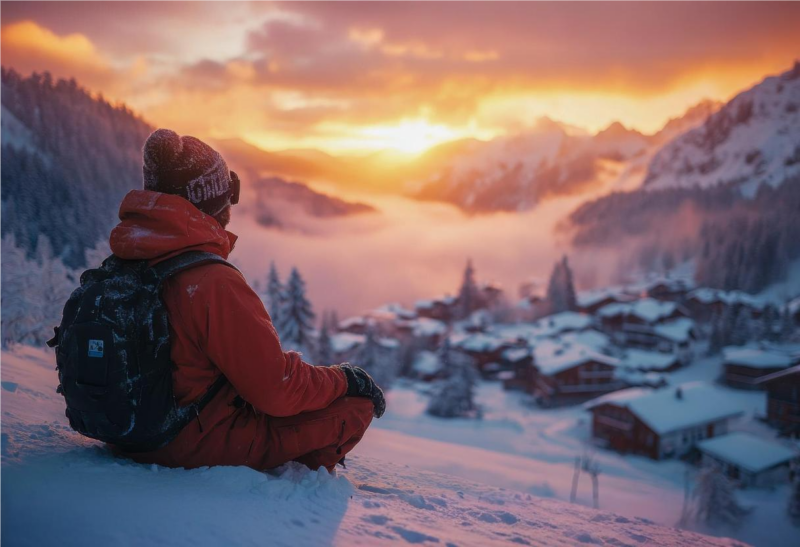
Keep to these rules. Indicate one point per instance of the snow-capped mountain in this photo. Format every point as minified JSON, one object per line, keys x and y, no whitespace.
{"x":753,"y":140}
{"x":516,"y":172}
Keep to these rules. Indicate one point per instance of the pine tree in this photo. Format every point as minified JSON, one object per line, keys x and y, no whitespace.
{"x":561,"y":289}
{"x":324,"y":349}
{"x":788,"y":327}
{"x":275,"y":297}
{"x":297,"y":316}
{"x":767,"y":324}
{"x":741,"y":332}
{"x":18,"y":273}
{"x":454,"y":396}
{"x":376,"y":360}
{"x":714,"y":499}
{"x":468,"y":297}
{"x":717,"y":339}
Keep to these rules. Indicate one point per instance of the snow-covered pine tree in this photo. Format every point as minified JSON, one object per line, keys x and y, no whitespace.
{"x":297,"y":316}
{"x":454,"y":397}
{"x":18,"y":274}
{"x":717,"y":339}
{"x":741,"y":332}
{"x":376,"y":360}
{"x":714,"y":498}
{"x":468,"y":297}
{"x":275,"y":297}
{"x":95,"y":256}
{"x":561,"y":289}
{"x":324,"y":348}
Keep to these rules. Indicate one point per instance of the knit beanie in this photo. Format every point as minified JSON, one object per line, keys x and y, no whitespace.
{"x":186,"y":167}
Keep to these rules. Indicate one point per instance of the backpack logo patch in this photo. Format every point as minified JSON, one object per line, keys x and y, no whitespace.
{"x":95,"y":348}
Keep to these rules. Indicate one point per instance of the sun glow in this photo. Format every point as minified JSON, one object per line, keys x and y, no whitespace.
{"x":410,"y":136}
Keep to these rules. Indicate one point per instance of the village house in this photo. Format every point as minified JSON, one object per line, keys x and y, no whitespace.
{"x":704,"y":304}
{"x":744,"y":366}
{"x":570,"y":373}
{"x":649,"y":361}
{"x":441,"y":309}
{"x":426,"y":333}
{"x":783,"y":400}
{"x":646,"y":311}
{"x":749,"y":460}
{"x":661,"y":423}
{"x":591,"y":301}
{"x":518,"y":371}
{"x":346,"y":345}
{"x":667,"y":289}
{"x":484,"y":349}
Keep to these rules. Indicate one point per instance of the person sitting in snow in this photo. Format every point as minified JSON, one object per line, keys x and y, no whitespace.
{"x":274,"y":408}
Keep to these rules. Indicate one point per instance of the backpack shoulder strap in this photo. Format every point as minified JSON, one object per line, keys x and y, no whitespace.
{"x":185,"y":261}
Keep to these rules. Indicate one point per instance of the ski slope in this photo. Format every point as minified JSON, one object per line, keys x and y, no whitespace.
{"x":58,"y":489}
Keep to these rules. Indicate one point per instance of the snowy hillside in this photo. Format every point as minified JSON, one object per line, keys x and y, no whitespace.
{"x":60,"y":490}
{"x":753,"y":140}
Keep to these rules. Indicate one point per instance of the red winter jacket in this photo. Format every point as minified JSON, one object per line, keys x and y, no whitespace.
{"x":218,"y":326}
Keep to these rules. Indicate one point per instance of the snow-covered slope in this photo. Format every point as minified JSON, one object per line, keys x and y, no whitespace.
{"x":754,"y":139}
{"x":60,"y":490}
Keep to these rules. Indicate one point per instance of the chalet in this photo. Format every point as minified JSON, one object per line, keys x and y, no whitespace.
{"x":427,"y":333}
{"x":485,"y":349}
{"x":346,"y":345}
{"x":354,"y":325}
{"x":671,"y":290}
{"x":442,"y":309}
{"x":749,"y":460}
{"x":590,"y":302}
{"x":571,"y":373}
{"x":661,"y":423}
{"x":646,"y":311}
{"x":704,"y":303}
{"x":744,"y":366}
{"x":650,"y":361}
{"x":676,"y":336}
{"x":783,"y":400}
{"x":519,"y":373}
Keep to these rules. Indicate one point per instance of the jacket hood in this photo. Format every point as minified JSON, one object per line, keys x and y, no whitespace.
{"x":155,"y":226}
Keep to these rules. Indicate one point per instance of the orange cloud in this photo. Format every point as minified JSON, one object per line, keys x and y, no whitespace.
{"x":28,"y":46}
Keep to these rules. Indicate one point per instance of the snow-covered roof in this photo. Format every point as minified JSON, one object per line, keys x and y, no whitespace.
{"x":679,"y":329}
{"x":552,"y":357}
{"x":423,"y":304}
{"x":477,"y":342}
{"x":706,"y":295}
{"x":514,"y":355}
{"x":648,"y":360}
{"x":755,"y":357}
{"x":560,"y":322}
{"x":346,"y":341}
{"x":747,"y":451}
{"x":426,"y":362}
{"x":393,"y":309}
{"x":664,"y":411}
{"x":424,"y":326}
{"x":649,"y":310}
{"x":356,"y":321}
{"x":594,"y":296}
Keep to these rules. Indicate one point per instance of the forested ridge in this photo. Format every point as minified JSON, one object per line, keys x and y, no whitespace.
{"x":68,"y":157}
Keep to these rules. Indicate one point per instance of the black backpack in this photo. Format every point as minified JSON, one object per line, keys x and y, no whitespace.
{"x":113,"y":354}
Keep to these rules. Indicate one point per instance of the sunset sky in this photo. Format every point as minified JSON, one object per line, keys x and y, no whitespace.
{"x":357,"y":77}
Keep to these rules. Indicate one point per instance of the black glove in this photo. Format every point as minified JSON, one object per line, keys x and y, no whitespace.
{"x":361,"y":384}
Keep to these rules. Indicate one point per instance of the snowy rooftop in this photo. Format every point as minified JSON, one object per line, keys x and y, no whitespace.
{"x":346,"y":341}
{"x":477,"y":342}
{"x":649,"y":310}
{"x":423,"y":326}
{"x":356,"y":321}
{"x":594,"y":296}
{"x":677,"y":330}
{"x":393,"y":310}
{"x":514,"y":355}
{"x":754,"y":357}
{"x":709,"y":296}
{"x":664,"y":411}
{"x":648,"y":360}
{"x":747,"y":451}
{"x":552,"y":357}
{"x":781,"y":374}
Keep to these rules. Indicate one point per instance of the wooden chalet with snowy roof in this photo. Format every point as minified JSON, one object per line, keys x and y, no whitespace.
{"x":661,"y":423}
{"x":670,"y":290}
{"x":591,"y":301}
{"x":749,"y":460}
{"x":744,"y":366}
{"x":704,"y":304}
{"x":783,"y":400}
{"x":571,"y":373}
